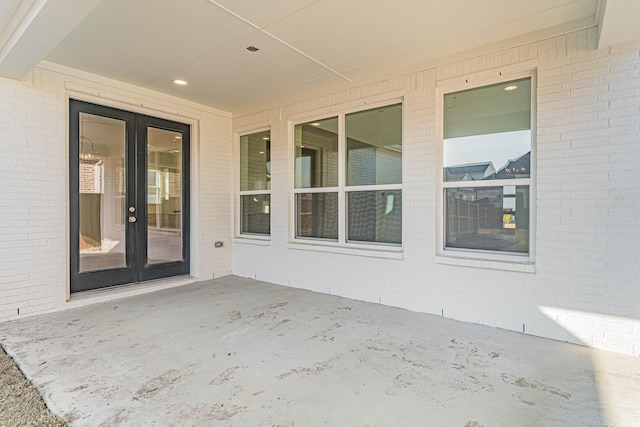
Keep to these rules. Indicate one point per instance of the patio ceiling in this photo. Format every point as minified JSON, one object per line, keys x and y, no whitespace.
{"x":305,"y":46}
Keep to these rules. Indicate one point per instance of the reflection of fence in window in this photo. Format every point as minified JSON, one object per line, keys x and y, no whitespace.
{"x":465,"y":218}
{"x":317,"y":215}
{"x":375,"y":216}
{"x":255,"y":213}
{"x":490,"y":218}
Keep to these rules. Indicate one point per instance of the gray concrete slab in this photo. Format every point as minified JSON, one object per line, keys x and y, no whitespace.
{"x":237,"y":352}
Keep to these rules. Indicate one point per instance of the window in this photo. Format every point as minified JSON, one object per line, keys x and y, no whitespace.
{"x":348,"y":177}
{"x":486,"y":168}
{"x":255,"y":183}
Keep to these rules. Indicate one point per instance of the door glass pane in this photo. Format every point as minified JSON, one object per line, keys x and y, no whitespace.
{"x":101,"y":167}
{"x":164,"y":196}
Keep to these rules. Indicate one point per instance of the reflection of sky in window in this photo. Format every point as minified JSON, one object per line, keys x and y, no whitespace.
{"x":498,"y":148}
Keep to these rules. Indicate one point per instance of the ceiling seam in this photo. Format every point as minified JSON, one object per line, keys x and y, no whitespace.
{"x":18,"y":24}
{"x":268,"y":34}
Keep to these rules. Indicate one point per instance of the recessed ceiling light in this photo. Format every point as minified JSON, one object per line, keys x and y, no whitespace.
{"x":252,"y":49}
{"x":265,"y":138}
{"x":180,"y":82}
{"x":315,"y":124}
{"x":260,"y":152}
{"x":510,"y":88}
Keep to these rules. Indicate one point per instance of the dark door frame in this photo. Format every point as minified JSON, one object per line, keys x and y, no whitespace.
{"x":137,"y":269}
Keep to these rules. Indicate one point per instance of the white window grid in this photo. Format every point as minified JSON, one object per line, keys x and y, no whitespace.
{"x":341,"y":189}
{"x":242,"y":193}
{"x":530,"y":182}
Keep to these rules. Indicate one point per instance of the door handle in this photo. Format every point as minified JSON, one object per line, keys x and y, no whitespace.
{"x":132,"y":219}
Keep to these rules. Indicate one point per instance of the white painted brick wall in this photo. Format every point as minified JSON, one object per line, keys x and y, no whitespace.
{"x":584,"y":288}
{"x":585,"y":285}
{"x":34,"y":170}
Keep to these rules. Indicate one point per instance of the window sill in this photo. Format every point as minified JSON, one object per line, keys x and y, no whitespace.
{"x":492,"y":264}
{"x":372,"y":251}
{"x":253,"y":240}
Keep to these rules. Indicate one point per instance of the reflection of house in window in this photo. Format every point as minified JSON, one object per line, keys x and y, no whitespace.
{"x":369,"y":164}
{"x":516,"y":168}
{"x":469,"y":172}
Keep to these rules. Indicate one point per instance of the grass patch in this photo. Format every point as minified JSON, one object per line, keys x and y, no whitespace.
{"x":20,"y":402}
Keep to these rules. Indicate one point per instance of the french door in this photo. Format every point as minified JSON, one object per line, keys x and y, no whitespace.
{"x":129,"y":197}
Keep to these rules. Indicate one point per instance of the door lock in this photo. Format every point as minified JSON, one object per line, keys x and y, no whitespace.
{"x":132,"y":209}
{"x":132,"y":219}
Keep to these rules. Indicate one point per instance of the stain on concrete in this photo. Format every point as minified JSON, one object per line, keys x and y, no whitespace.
{"x":78,"y":388}
{"x":401,"y":381}
{"x":154,"y":385}
{"x":316,"y":369}
{"x":226,"y":375}
{"x":224,"y":412}
{"x":327,"y":335}
{"x":235,"y":315}
{"x":72,"y":416}
{"x":278,"y":305}
{"x":280,"y":323}
{"x":523,"y":383}
{"x":117,"y":419}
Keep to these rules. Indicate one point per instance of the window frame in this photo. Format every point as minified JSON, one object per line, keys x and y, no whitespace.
{"x":239,"y":234}
{"x":494,"y":259}
{"x":342,"y":189}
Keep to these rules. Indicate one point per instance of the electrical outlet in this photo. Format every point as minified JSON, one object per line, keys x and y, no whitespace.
{"x":219,"y":244}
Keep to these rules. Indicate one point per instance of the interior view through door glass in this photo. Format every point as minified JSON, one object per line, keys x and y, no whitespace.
{"x":164,"y":196}
{"x":101,"y":166}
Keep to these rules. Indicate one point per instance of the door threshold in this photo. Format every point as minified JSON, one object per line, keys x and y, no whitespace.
{"x":94,"y":296}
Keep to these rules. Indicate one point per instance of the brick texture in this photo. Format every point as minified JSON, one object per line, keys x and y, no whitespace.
{"x":587,"y":260}
{"x":34,"y":169}
{"x":587,"y":257}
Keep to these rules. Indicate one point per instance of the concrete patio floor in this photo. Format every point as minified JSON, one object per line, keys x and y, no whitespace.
{"x":238,"y":352}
